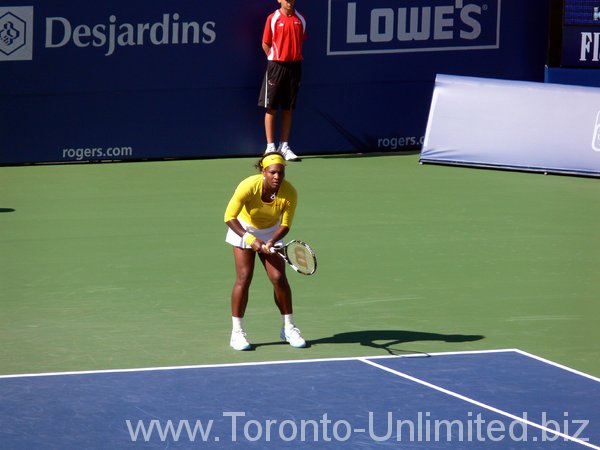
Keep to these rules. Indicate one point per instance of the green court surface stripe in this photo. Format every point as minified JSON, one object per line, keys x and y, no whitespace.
{"x":109,"y":266}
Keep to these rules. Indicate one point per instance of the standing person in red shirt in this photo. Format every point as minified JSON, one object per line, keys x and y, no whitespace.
{"x":283,"y":36}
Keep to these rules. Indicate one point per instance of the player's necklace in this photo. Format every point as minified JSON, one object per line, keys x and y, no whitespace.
{"x":273,"y":195}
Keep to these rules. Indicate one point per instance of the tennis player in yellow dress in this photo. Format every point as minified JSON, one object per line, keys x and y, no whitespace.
{"x":259,"y":215}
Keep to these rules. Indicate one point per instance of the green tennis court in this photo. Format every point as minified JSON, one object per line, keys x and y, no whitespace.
{"x":124,"y":265}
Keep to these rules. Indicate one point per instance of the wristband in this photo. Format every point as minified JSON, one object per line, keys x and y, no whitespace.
{"x":249,"y":238}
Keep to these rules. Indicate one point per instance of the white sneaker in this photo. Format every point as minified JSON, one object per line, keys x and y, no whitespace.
{"x":238,"y":340}
{"x":292,"y":335}
{"x":287,"y":152}
{"x":270,"y":149}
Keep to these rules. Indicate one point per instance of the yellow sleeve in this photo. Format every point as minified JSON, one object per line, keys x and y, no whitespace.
{"x":233,"y":209}
{"x":289,"y":208}
{"x":237,"y":201}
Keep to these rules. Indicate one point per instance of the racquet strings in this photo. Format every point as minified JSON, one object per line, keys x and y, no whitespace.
{"x":302,"y":257}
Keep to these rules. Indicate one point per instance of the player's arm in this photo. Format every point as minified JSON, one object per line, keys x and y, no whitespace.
{"x":234,"y":207}
{"x":266,"y":48}
{"x":236,"y":226}
{"x":255,"y":243}
{"x":279,"y":234}
{"x":267,"y":37}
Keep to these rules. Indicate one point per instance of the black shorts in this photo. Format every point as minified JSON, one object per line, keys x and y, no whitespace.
{"x":280,"y":85}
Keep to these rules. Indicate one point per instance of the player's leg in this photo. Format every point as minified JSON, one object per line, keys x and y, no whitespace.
{"x":268,"y":100}
{"x":275,"y":268}
{"x":244,"y":270}
{"x":286,"y":128}
{"x":270,"y":123}
{"x":290,"y":85}
{"x":286,"y":124}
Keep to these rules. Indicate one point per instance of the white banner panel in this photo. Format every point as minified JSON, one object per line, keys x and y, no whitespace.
{"x":514,"y":125}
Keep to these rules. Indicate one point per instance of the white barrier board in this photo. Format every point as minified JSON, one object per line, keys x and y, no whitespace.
{"x":514,"y":125}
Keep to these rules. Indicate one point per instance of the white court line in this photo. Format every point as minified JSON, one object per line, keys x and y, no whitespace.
{"x":478,"y":403}
{"x":560,"y":366}
{"x":246,"y":364}
{"x":298,"y":361}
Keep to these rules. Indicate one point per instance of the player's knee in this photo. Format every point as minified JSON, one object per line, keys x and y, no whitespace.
{"x":244,"y":278}
{"x":279,"y":280}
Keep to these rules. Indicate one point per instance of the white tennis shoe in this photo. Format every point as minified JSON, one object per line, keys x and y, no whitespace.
{"x":238,"y":340}
{"x":287,"y":152}
{"x":270,"y":148}
{"x":292,"y":335}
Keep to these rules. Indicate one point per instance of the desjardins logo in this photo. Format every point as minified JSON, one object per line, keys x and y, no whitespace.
{"x":16,"y":33}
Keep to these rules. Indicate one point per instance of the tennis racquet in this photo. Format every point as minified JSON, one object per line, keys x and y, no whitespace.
{"x":299,"y":256}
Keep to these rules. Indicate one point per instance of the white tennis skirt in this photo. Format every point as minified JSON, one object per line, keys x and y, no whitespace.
{"x":264,"y":234}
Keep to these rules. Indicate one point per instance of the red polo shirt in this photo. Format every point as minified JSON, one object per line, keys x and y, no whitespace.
{"x":285,"y":35}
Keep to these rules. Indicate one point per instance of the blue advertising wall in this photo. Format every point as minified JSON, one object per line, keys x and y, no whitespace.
{"x":149,"y":79}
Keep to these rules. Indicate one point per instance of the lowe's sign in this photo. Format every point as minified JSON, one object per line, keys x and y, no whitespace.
{"x":395,"y":26}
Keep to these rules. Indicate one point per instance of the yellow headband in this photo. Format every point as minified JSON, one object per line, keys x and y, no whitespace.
{"x":272,"y":159}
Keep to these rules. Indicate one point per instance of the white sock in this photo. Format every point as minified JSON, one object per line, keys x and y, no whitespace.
{"x":238,"y":323}
{"x":284,"y":145}
{"x":271,"y":147}
{"x":288,"y":320}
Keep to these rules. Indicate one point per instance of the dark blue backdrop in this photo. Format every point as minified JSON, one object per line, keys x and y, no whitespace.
{"x":368,"y":73}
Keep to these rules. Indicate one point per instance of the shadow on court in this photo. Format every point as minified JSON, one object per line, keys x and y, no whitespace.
{"x":385,"y":339}
{"x":6,"y":210}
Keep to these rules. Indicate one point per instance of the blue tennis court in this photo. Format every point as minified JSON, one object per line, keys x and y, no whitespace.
{"x":505,"y":399}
